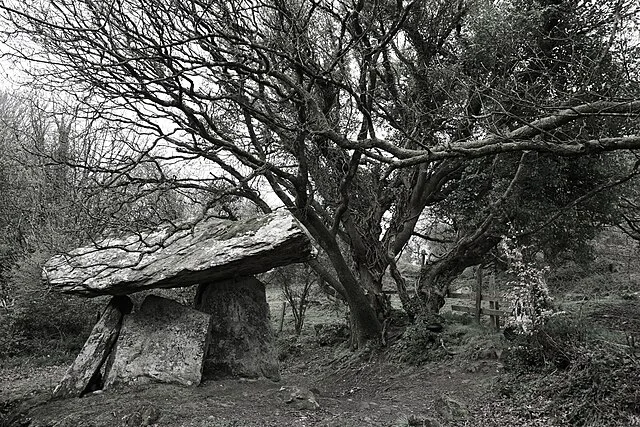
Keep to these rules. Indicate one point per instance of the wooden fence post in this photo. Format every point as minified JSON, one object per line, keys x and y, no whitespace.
{"x":284,"y":311}
{"x":495,"y":320}
{"x":478,"y":293}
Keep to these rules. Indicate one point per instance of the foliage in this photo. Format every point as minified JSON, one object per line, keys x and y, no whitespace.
{"x":331,"y":334}
{"x":600,"y":389}
{"x":574,"y":371}
{"x":527,"y":293}
{"x":466,"y":342}
{"x":54,"y":201}
{"x":419,"y":345}
{"x":546,"y":212}
{"x":550,"y":344}
{"x":587,"y":381}
{"x":542,"y":205}
{"x":36,"y":220}
{"x":537,"y":50}
{"x":357,"y":116}
{"x":42,"y":322}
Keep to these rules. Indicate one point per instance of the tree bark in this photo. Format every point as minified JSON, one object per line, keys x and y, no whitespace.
{"x":435,"y":278}
{"x":365,"y":325}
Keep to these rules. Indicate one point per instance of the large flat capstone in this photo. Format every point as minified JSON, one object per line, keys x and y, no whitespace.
{"x":163,"y":342}
{"x":211,"y":250}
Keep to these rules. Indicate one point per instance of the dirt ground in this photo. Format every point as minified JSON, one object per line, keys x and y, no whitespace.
{"x":349,"y":391}
{"x":320,"y":386}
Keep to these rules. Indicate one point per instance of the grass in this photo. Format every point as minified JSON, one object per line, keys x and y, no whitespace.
{"x":321,"y":311}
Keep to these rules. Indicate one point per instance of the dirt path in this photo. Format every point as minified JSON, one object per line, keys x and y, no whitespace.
{"x":349,"y":392}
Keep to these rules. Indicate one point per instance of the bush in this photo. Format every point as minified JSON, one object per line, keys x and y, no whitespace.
{"x":528,"y":293}
{"x":574,"y":375}
{"x":331,"y":334}
{"x":552,"y":343}
{"x":41,"y":321}
{"x":467,"y":342}
{"x":601,"y":387}
{"x":598,"y":389}
{"x":419,"y":345}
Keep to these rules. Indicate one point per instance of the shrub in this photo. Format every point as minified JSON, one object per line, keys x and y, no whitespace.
{"x":528,"y":293}
{"x":331,"y":334}
{"x":600,"y":388}
{"x":419,"y":345}
{"x":575,"y":375}
{"x":41,"y":321}
{"x":552,"y":343}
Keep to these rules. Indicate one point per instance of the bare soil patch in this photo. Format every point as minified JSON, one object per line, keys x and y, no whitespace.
{"x":350,"y":390}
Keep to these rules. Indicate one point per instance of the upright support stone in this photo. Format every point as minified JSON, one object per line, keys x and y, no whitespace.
{"x":241,"y":341}
{"x":95,"y":351}
{"x":163,"y":342}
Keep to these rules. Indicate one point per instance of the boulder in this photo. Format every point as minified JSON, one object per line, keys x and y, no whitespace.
{"x":173,"y":256}
{"x":84,"y":373}
{"x":241,"y":341}
{"x":163,"y":342}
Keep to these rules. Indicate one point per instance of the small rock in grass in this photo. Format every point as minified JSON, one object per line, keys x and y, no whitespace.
{"x":300,"y":397}
{"x":450,"y":408}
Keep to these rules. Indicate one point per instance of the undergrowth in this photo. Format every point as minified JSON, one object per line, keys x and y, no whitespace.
{"x":465,"y":340}
{"x":418,"y":346}
{"x":40,"y":321}
{"x":575,"y":374}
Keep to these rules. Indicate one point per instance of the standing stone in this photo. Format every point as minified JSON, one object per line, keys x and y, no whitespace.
{"x":95,"y":351}
{"x":241,"y":336}
{"x":163,"y":342}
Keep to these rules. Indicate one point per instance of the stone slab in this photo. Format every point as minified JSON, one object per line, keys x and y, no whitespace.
{"x":242,"y":340}
{"x":163,"y":342}
{"x":95,"y":350}
{"x":208,"y":251}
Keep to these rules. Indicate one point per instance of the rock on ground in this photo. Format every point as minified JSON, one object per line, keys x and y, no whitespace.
{"x":300,"y":398}
{"x":241,"y":336}
{"x":95,"y":351}
{"x":163,"y":342}
{"x":450,"y":409}
{"x":211,"y":250}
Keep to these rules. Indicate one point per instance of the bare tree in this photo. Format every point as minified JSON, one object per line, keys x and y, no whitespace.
{"x":296,"y":283}
{"x":357,"y":115}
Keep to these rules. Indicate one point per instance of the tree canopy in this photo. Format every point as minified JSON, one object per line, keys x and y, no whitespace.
{"x":361,"y":117}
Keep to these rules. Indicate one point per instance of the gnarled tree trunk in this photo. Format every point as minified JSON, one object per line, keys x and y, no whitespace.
{"x":435,"y":278}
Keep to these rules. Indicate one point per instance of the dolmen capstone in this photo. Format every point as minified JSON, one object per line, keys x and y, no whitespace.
{"x":226,"y":332}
